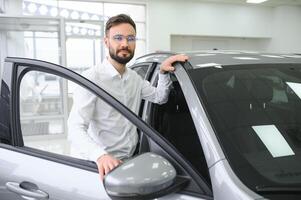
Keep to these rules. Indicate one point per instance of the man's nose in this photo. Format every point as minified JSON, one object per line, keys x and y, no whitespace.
{"x":124,"y":42}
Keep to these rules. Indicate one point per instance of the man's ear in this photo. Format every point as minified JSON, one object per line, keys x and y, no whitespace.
{"x":106,"y":40}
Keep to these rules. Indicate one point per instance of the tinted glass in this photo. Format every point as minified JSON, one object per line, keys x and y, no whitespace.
{"x":141,"y":70}
{"x":256,"y":113}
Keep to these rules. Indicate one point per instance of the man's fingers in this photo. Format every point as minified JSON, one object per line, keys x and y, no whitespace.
{"x":167,"y":64}
{"x":101,"y":172}
{"x":180,"y":58}
{"x":116,"y":163}
{"x":106,"y":163}
{"x":107,"y":169}
{"x":111,"y":165}
{"x":171,"y":68}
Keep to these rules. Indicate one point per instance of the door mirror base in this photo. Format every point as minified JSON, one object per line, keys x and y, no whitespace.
{"x":180,"y":183}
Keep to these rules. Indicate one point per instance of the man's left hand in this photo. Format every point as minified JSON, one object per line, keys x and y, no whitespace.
{"x":166,"y":65}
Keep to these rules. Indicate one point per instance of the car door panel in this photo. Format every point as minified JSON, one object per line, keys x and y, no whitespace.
{"x":60,"y":181}
{"x":51,"y":174}
{"x":63,"y":180}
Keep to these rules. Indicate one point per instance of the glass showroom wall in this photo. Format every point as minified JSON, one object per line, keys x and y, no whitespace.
{"x":69,"y":33}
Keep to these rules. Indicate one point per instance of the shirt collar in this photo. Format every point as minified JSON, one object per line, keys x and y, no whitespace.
{"x":107,"y":68}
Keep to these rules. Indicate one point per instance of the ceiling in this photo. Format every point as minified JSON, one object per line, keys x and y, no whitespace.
{"x":267,"y":3}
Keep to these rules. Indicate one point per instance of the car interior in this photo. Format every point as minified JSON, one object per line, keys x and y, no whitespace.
{"x":174,"y":122}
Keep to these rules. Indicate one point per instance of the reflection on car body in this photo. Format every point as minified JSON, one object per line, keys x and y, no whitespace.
{"x":230,"y":130}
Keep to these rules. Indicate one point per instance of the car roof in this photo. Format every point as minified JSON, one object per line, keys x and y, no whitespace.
{"x":211,"y":58}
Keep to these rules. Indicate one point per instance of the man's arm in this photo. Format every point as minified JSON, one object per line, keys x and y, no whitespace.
{"x":78,"y":124}
{"x":166,"y":65}
{"x":160,"y":93}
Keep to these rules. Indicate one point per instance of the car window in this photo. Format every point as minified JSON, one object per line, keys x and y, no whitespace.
{"x":45,"y":107}
{"x":173,"y":120}
{"x":4,"y":121}
{"x":255,"y":111}
{"x":141,"y":70}
{"x":43,"y":112}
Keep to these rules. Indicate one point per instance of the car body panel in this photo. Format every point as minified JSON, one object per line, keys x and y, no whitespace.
{"x":212,"y":150}
{"x":222,"y":177}
{"x":54,"y":178}
{"x":226,"y":184}
{"x":60,"y":177}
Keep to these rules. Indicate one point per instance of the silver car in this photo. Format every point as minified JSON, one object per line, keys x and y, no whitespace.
{"x":231,"y":129}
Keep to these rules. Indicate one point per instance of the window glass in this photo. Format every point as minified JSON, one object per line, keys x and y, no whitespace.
{"x":137,"y":12}
{"x":42,"y":112}
{"x":256,"y":111}
{"x":45,"y":108}
{"x":140,"y":49}
{"x":80,"y":10}
{"x":47,"y":49}
{"x":140,"y":31}
{"x":141,"y":70}
{"x":41,"y":104}
{"x":173,"y":120}
{"x":80,"y":54}
{"x":95,"y":11}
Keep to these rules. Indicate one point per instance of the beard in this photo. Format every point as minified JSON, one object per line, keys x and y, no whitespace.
{"x":121,"y":59}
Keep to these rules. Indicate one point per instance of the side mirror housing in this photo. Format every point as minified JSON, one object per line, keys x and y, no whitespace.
{"x":146,"y":176}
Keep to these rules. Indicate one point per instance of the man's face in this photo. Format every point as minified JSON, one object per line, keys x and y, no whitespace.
{"x":121,"y":42}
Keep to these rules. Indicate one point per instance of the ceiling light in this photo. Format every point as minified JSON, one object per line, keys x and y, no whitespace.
{"x":75,"y":30}
{"x":43,"y":10}
{"x":83,"y":31}
{"x":85,"y":16}
{"x":256,"y":1}
{"x":32,"y":7}
{"x":53,"y":12}
{"x":74,"y":15}
{"x":95,"y":17}
{"x":64,"y":13}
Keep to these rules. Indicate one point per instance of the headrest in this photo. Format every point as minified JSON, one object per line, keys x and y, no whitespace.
{"x":261,"y":90}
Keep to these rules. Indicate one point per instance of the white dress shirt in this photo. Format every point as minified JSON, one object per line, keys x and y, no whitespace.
{"x":95,"y":128}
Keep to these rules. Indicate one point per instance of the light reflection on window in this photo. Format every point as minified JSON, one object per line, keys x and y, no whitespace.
{"x":296,"y":87}
{"x":273,"y":140}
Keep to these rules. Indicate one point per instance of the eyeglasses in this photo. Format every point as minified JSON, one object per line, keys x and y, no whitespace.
{"x":129,"y":38}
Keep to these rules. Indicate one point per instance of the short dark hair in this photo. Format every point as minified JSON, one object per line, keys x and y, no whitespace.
{"x":119,"y":19}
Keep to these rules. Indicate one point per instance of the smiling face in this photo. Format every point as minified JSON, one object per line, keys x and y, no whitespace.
{"x":121,"y":42}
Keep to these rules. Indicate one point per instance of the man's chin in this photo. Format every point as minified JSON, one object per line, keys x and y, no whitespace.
{"x":124,"y":55}
{"x":122,"y":60}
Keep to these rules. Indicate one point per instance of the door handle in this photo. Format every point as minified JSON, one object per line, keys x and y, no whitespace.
{"x":27,"y":189}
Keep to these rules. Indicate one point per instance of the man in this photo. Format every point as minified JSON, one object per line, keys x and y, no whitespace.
{"x":97,"y":131}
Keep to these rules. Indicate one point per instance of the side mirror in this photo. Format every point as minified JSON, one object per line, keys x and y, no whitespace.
{"x":146,"y":176}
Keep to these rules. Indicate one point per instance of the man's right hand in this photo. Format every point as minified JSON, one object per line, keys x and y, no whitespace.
{"x":106,"y":163}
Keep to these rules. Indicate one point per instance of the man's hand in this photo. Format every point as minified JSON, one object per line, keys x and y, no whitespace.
{"x":106,"y":163}
{"x":166,"y":65}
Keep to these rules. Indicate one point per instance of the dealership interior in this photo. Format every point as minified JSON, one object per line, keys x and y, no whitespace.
{"x":70,"y":33}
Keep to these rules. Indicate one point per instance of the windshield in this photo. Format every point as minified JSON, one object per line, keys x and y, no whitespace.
{"x":256,"y":114}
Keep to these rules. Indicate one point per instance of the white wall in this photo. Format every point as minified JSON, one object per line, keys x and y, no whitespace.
{"x":205,"y":19}
{"x":193,"y":43}
{"x":273,"y":29}
{"x":286,"y":35}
